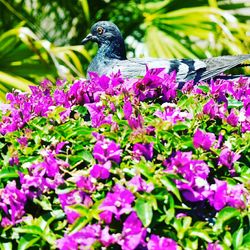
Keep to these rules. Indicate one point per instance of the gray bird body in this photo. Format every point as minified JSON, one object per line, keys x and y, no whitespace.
{"x":111,"y":58}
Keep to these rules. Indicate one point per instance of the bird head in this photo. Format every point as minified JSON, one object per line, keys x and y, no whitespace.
{"x":103,"y":32}
{"x":108,"y":37}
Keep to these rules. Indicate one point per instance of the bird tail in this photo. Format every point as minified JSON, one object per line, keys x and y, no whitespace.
{"x":217,"y":65}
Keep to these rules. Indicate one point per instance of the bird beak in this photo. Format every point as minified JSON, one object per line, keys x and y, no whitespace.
{"x":89,"y":37}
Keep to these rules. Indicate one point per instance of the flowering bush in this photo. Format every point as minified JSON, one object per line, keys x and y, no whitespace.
{"x":112,"y":163}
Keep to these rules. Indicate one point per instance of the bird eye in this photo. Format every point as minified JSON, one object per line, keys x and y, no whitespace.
{"x":99,"y":30}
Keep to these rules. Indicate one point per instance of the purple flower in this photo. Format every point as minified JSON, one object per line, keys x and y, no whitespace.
{"x":133,"y":116}
{"x":86,"y":238}
{"x":196,"y":190}
{"x":214,"y":246}
{"x":195,"y":186}
{"x":223,"y":195}
{"x":169,"y":86}
{"x":233,"y":119}
{"x":127,"y":109}
{"x":105,"y":150}
{"x":214,"y":110}
{"x":118,"y":202}
{"x":133,"y":234}
{"x":161,"y":243}
{"x":149,"y":86}
{"x":77,"y":93}
{"x":72,"y":198}
{"x":84,"y":183}
{"x":97,"y":115}
{"x":228,"y":158}
{"x":140,"y":184}
{"x":203,"y":139}
{"x":23,"y":141}
{"x":101,"y":171}
{"x":14,"y":160}
{"x":12,"y":202}
{"x":173,"y":114}
{"x":145,"y":150}
{"x":44,"y":176}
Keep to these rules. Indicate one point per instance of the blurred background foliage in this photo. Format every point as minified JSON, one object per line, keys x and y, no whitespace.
{"x":40,"y":39}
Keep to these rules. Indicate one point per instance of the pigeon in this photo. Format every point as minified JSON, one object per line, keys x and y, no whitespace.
{"x":111,"y":58}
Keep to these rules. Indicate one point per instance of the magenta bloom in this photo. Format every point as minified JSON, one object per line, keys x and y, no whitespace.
{"x":214,"y":246}
{"x":101,"y":171}
{"x":233,"y":119}
{"x":85,"y":238}
{"x":173,"y":114}
{"x":161,"y":243}
{"x":225,"y":195}
{"x":203,"y":139}
{"x":97,"y":115}
{"x":228,"y":158}
{"x":145,"y":150}
{"x":105,"y":150}
{"x":133,"y":233}
{"x":118,"y":202}
{"x":134,"y":120}
{"x":23,"y":141}
{"x":72,"y":198}
{"x":140,"y":184}
{"x":195,"y":172}
{"x":12,"y":202}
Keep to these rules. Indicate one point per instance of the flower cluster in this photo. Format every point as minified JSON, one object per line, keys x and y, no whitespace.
{"x":126,"y":164}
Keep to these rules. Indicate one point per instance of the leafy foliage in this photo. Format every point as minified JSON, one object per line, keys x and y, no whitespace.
{"x":117,"y":163}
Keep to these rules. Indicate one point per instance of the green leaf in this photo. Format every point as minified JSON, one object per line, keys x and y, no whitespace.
{"x":87,"y":156}
{"x":27,"y":241}
{"x":201,"y":234}
{"x":30,"y":229}
{"x":180,"y":127}
{"x":224,"y":216}
{"x":238,"y":238}
{"x":171,"y":187}
{"x":44,"y":202}
{"x":205,"y":89}
{"x":9,"y":173}
{"x":144,"y":211}
{"x":232,"y":103}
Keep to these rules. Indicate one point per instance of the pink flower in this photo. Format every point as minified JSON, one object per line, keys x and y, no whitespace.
{"x":203,"y":139}
{"x":161,"y":243}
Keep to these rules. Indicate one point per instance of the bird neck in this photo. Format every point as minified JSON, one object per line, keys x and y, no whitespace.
{"x":113,"y":50}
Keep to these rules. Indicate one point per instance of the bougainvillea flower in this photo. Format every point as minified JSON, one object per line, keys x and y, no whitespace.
{"x":228,"y":158}
{"x":214,"y":246}
{"x":83,"y":239}
{"x":105,"y":150}
{"x":203,"y":139}
{"x":117,"y":202}
{"x":145,"y":150}
{"x":161,"y":243}
{"x":133,"y":233}
{"x":233,"y":119}
{"x":101,"y":171}
{"x":196,"y":190}
{"x":23,"y":141}
{"x":72,"y":198}
{"x":97,"y":115}
{"x":173,"y":114}
{"x":140,"y":185}
{"x":12,"y":202}
{"x":223,"y":195}
{"x":211,"y":108}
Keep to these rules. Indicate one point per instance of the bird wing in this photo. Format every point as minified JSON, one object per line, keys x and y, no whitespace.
{"x":186,"y":69}
{"x":217,"y":65}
